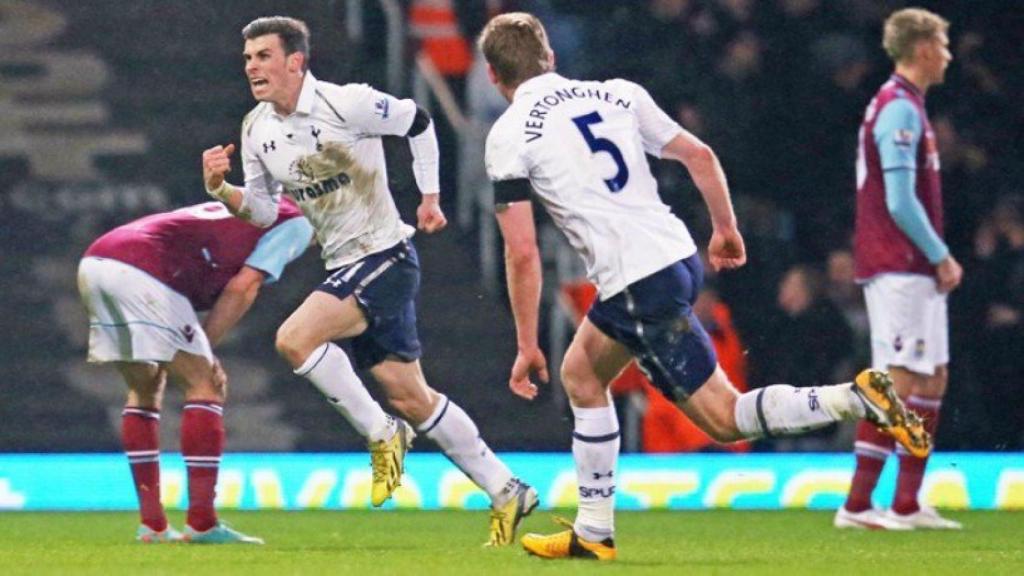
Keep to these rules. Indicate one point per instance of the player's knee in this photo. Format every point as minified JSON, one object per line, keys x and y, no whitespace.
{"x":718,"y":419}
{"x":580,"y":386}
{"x":724,"y":432}
{"x":289,"y":346}
{"x":209,"y":389}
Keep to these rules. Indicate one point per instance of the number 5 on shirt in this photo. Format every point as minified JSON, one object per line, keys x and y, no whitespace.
{"x":598,"y":144}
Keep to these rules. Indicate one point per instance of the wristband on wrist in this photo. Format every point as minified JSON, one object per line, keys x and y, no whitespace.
{"x":222,"y":192}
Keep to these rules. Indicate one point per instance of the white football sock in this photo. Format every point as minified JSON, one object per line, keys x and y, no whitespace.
{"x":330,"y":370}
{"x":459,"y":438}
{"x":781,"y":409}
{"x":595,"y":449}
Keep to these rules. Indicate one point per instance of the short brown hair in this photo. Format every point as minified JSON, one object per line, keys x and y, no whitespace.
{"x":293,"y":32}
{"x":516,"y":46}
{"x":905,"y":28}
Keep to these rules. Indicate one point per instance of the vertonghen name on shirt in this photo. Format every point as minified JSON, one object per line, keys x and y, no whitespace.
{"x":534,"y":123}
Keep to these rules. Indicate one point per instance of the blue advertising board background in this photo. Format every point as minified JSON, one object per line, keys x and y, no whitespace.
{"x":293,"y":481}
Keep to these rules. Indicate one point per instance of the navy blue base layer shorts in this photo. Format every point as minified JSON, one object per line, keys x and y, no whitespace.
{"x":653,"y":317}
{"x":385,"y":285}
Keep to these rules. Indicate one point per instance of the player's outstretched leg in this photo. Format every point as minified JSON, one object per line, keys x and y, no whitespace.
{"x":784,"y":410}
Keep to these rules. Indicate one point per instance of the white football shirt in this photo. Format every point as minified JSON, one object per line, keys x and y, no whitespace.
{"x":581,"y":145}
{"x":328,"y":156}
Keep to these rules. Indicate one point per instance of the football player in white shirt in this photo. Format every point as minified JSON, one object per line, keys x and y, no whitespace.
{"x":579,"y":148}
{"x":320,"y":143}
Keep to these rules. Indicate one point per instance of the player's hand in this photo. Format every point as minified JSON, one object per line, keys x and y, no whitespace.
{"x":527,"y":362}
{"x":948,"y":274}
{"x":726,"y":249}
{"x":429,"y":216}
{"x":216,"y":164}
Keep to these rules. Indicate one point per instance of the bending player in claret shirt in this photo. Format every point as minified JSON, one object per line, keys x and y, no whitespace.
{"x":142,"y":285}
{"x":905,"y":267}
{"x":578,"y":148}
{"x":320,"y":143}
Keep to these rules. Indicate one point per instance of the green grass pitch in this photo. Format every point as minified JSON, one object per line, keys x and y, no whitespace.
{"x":367,"y":543}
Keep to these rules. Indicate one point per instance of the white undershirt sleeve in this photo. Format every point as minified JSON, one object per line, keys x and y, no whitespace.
{"x":426,"y":163}
{"x":261,"y":195}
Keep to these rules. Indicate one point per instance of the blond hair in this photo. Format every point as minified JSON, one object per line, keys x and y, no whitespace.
{"x":516,"y":46}
{"x":905,"y":28}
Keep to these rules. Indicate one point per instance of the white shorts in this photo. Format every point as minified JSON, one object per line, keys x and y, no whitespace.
{"x":134,"y":317}
{"x":909,"y":322}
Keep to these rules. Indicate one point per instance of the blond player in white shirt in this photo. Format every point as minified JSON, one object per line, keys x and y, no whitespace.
{"x":320,"y":143}
{"x":579,"y":149}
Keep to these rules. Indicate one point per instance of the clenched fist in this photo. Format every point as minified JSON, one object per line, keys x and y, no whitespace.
{"x":216,"y":164}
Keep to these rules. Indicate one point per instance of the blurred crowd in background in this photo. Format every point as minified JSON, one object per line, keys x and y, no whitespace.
{"x":778,"y":89}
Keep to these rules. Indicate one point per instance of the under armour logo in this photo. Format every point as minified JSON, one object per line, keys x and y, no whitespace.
{"x":188,"y":332}
{"x":268,"y":146}
{"x":598,"y":475}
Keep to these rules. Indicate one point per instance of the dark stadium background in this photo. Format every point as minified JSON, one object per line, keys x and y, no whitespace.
{"x":106,"y":108}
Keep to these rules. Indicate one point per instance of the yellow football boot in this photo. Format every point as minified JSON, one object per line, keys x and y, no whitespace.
{"x":387,"y":457}
{"x":567,"y":544}
{"x":506,"y":519}
{"x":884,"y":409}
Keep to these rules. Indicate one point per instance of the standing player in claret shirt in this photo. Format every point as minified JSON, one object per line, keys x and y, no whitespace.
{"x":579,"y":148}
{"x":320,"y":144}
{"x":142,"y":284}
{"x":903,"y":263}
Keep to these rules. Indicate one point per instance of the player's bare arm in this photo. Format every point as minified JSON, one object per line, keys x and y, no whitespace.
{"x":233,"y":303}
{"x":523,"y":267}
{"x":726,"y":249}
{"x":216,"y":165}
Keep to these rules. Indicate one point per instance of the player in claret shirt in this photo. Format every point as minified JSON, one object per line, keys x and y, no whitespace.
{"x":579,"y":149}
{"x":904,"y":265}
{"x":142,"y":284}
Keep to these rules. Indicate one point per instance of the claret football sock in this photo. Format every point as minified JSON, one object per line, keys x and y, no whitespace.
{"x":140,"y":437}
{"x":872,"y":447}
{"x":595,"y":449}
{"x":330,"y":370}
{"x":457,"y":435}
{"x":908,"y":482}
{"x":781,"y":409}
{"x":202,"y":442}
